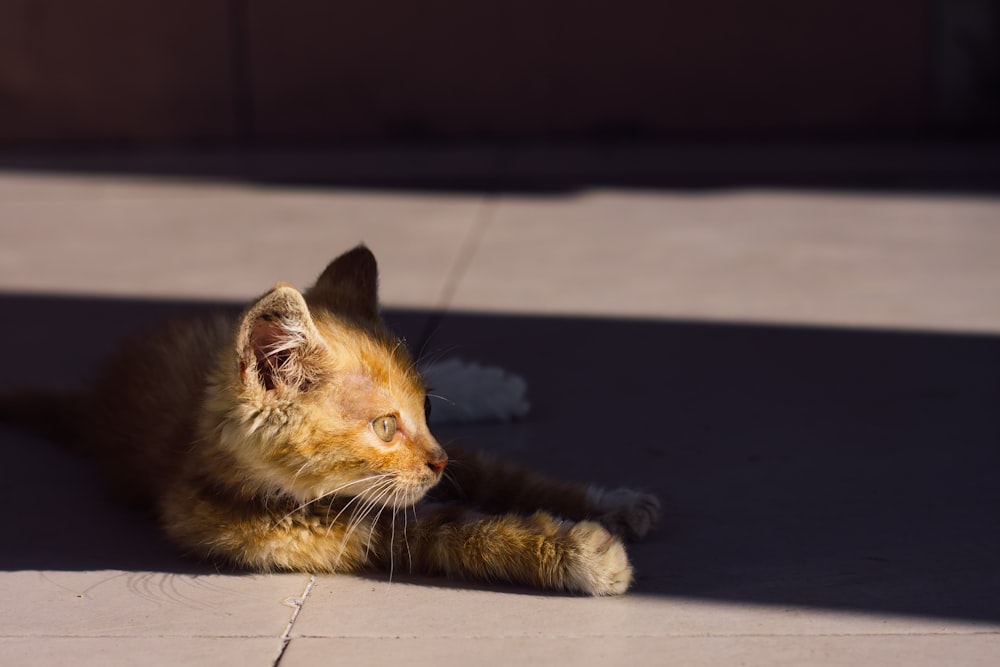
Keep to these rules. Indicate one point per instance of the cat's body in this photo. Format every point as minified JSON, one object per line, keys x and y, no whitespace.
{"x":295,"y":439}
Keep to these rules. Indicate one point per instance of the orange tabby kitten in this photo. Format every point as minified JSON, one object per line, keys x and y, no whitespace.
{"x":296,"y":439}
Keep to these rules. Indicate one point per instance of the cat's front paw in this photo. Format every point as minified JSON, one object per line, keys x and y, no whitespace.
{"x":599,"y":565}
{"x":631,"y":514}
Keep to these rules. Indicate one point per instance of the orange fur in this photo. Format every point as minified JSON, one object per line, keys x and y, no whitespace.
{"x":295,"y":439}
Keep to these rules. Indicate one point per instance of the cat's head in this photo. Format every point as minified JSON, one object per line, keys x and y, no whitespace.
{"x":317,"y":397}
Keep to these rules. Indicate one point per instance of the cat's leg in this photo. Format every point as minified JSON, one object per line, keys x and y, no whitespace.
{"x":270,"y":535}
{"x":535,"y":550}
{"x":499,"y":487}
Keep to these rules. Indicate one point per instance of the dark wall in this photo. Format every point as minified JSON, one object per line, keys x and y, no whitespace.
{"x":142,"y":70}
{"x":321,"y":70}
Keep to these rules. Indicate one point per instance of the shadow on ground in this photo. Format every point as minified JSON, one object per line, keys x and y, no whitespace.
{"x":968,"y":165}
{"x":841,"y":469}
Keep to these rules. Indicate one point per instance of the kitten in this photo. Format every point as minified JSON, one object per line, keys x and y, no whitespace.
{"x":295,"y":438}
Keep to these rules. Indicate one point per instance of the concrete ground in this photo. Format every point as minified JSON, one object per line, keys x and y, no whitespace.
{"x":809,"y":378}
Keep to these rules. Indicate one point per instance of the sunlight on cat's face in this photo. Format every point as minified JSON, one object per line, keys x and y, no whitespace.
{"x":357,"y":428}
{"x":374,"y":430}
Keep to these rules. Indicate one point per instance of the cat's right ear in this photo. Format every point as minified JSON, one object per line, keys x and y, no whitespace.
{"x":278,"y":346}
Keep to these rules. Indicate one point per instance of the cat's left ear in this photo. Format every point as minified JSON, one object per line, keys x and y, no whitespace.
{"x":349,"y":286}
{"x":278,"y":346}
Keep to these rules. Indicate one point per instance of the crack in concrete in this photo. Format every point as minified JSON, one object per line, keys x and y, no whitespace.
{"x":296,"y":605}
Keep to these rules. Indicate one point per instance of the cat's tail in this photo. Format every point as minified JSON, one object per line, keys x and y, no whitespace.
{"x":55,"y":415}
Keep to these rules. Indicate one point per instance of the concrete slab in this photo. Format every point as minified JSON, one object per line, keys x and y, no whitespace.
{"x":972,"y":650}
{"x":830,"y":496}
{"x":139,"y":651}
{"x":839,"y":259}
{"x":147,"y":604}
{"x":194,"y":240}
{"x":419,"y":608}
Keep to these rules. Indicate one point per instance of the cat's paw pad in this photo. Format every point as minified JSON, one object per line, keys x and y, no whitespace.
{"x":599,"y":565}
{"x":631,"y":514}
{"x":464,"y":391}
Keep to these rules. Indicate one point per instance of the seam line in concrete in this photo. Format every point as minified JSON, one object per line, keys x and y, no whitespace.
{"x":470,"y":244}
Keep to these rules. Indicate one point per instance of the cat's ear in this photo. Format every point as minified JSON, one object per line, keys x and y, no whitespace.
{"x":349,"y":286}
{"x":277,"y":343}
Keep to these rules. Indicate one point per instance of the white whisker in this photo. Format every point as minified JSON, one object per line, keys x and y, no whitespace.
{"x":441,"y":398}
{"x":406,"y":539}
{"x":300,"y":470}
{"x":388,"y":492}
{"x":392,"y":532}
{"x":328,"y":494}
{"x":380,"y":489}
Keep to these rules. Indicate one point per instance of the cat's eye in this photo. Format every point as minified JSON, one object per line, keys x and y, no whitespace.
{"x":385,"y":427}
{"x":427,"y":407}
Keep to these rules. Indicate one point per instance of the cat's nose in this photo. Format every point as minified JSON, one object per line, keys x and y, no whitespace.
{"x":437,"y":462}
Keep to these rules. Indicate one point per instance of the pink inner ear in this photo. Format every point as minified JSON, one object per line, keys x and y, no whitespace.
{"x":269,"y":341}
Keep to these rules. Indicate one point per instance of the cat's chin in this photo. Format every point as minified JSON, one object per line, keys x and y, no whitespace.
{"x":409,"y":500}
{"x":407,"y":496}
{"x":398,"y":497}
